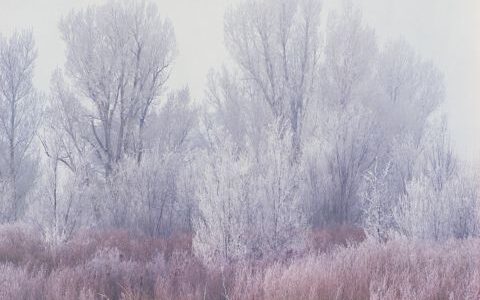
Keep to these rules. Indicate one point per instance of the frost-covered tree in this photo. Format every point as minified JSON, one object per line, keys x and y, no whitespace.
{"x":62,"y":203}
{"x":349,"y":63}
{"x":118,"y":60}
{"x":297,"y":131}
{"x":106,"y":115}
{"x":20,"y":115}
{"x":375,"y":106}
{"x":276,"y":45}
{"x":441,"y":201}
{"x":438,"y":161}
{"x":352,"y":148}
{"x":351,"y":107}
{"x":65,"y":191}
{"x":347,"y":126}
{"x":220,"y":231}
{"x":152,"y":196}
{"x":249,"y":201}
{"x":249,"y":198}
{"x":278,"y":202}
{"x":147,"y":196}
{"x":429,"y":214}
{"x":410,"y":89}
{"x":377,"y":202}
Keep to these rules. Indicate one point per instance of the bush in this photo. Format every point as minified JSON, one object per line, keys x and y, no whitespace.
{"x":328,"y":238}
{"x":341,"y":265}
{"x":399,"y":269}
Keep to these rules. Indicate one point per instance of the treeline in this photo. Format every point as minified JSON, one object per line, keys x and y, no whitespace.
{"x":311,"y":127}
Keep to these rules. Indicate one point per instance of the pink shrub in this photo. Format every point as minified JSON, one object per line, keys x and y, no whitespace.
{"x":18,"y":283}
{"x":119,"y":265}
{"x":327,"y":238}
{"x":85,"y":244}
{"x":22,"y":246}
{"x":399,"y":269}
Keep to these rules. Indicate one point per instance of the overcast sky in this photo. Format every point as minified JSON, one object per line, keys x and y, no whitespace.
{"x":446,"y":31}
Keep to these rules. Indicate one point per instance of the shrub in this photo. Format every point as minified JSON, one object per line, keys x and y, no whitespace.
{"x":327,"y":238}
{"x":341,"y":265}
{"x":399,"y":269}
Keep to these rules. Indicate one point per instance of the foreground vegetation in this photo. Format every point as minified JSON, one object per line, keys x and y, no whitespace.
{"x":119,"y":265}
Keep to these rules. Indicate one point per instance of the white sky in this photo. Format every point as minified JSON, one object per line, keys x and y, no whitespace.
{"x":446,"y":31}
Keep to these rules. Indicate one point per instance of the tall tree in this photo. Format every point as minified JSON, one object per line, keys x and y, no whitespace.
{"x":20,"y":115}
{"x":103,"y":106}
{"x":276,"y":45}
{"x":348,"y":124}
{"x":118,"y":60}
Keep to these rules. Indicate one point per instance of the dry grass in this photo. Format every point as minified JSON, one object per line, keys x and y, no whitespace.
{"x":399,"y":269}
{"x":118,"y":265}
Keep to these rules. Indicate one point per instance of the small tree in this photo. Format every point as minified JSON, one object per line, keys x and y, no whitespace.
{"x":377,"y":202}
{"x":249,"y":201}
{"x":441,"y":201}
{"x":224,"y":202}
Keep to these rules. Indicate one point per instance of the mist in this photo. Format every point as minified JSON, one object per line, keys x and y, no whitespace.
{"x":248,"y":149}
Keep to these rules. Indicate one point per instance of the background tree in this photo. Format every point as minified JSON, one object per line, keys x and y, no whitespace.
{"x":104,"y":119}
{"x":249,"y":203}
{"x":442,"y":199}
{"x":118,"y":60}
{"x":276,"y":45}
{"x":151,"y":196}
{"x":348,"y":125}
{"x":20,"y":115}
{"x":375,"y":106}
{"x":259,"y":109}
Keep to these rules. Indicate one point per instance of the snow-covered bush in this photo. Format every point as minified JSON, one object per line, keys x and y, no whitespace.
{"x":430,"y":214}
{"x":377,"y":203}
{"x":249,"y":202}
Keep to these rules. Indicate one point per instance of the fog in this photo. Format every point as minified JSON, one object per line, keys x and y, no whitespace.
{"x":243,"y":149}
{"x":445,"y":31}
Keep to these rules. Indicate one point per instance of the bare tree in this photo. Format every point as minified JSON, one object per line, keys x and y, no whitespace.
{"x":101,"y":113}
{"x":348,"y":125}
{"x":20,"y":115}
{"x":151,"y":196}
{"x":439,"y":163}
{"x":276,"y":45}
{"x":410,"y":89}
{"x":441,"y":199}
{"x":249,"y":203}
{"x":375,"y":106}
{"x":377,"y":203}
{"x":118,"y":60}
{"x":350,"y":152}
